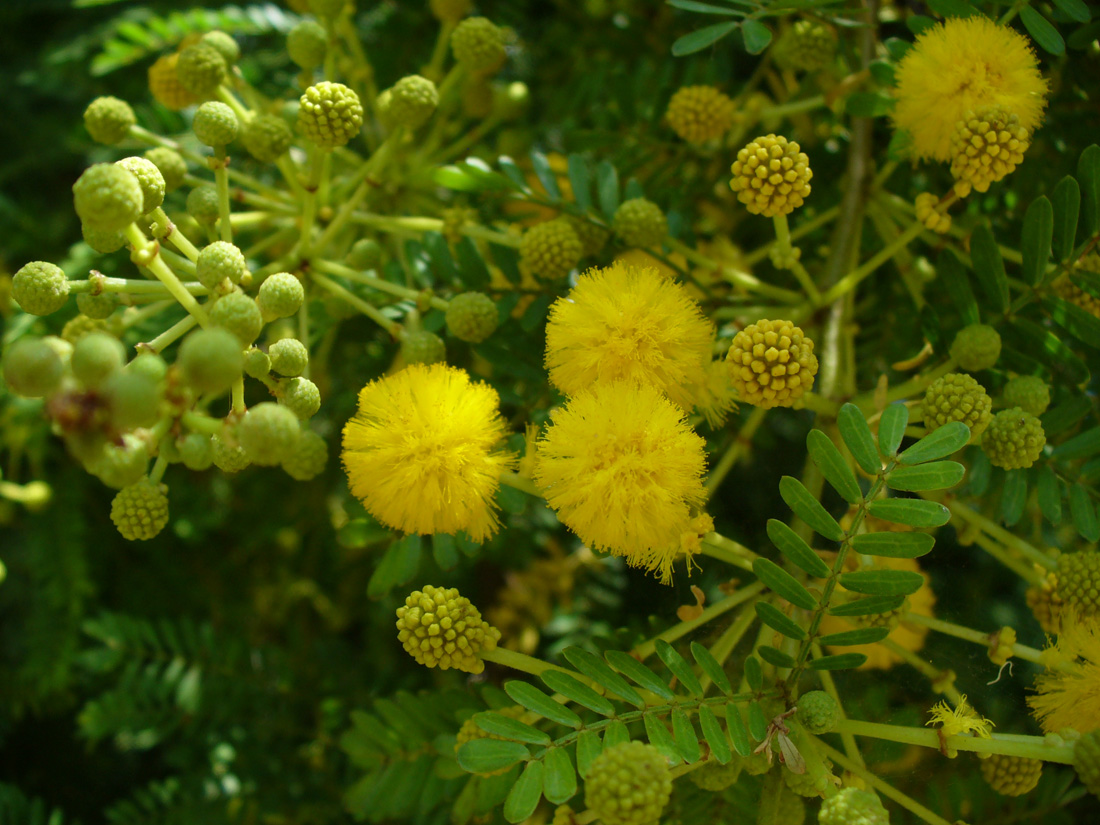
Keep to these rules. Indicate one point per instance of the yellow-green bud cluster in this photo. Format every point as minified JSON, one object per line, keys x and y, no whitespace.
{"x":140,"y":511}
{"x":423,"y":347}
{"x":771,"y":363}
{"x":977,"y":347}
{"x":229,"y":457}
{"x":120,"y":465}
{"x":280,"y":296}
{"x":108,"y":197}
{"x":211,"y":360}
{"x":550,"y":250}
{"x":201,"y":69}
{"x":1086,"y":761}
{"x":95,"y":357}
{"x":239,"y":314}
{"x":202,"y":204}
{"x":32,"y":368}
{"x":225,"y":45}
{"x":818,"y":712}
{"x":301,"y":397}
{"x":1079,"y":581}
{"x":450,"y":11}
{"x":365,"y":253}
{"x":40,"y":288}
{"x":289,"y":356}
{"x":628,"y":784}
{"x":592,"y":236}
{"x":930,"y":215}
{"x":478,"y":45}
{"x":172,"y":166}
{"x":308,"y":458}
{"x":986,"y":146}
{"x":218,"y":263}
{"x":853,"y":806}
{"x":1028,"y":392}
{"x":268,"y":433}
{"x":809,"y":783}
{"x":306,"y":44}
{"x":1014,"y":439}
{"x":700,"y":113}
{"x":330,"y":114}
{"x":807,"y":46}
{"x":639,"y":223}
{"x":196,"y":451}
{"x":215,"y":124}
{"x":1067,"y":290}
{"x":957,"y":397}
{"x":1011,"y":775}
{"x":108,"y":120}
{"x":410,"y":102}
{"x":440,"y":628}
{"x":165,"y":85}
{"x":102,"y":241}
{"x":266,"y":137}
{"x":472,"y":316}
{"x":149,"y":179}
{"x":771,"y":176}
{"x":716,"y":777}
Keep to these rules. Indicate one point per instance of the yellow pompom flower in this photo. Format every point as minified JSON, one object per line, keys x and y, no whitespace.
{"x":987,"y":146}
{"x":421,"y":454}
{"x":961,"y":65}
{"x":771,"y":363}
{"x":1068,"y":691}
{"x":700,"y":113}
{"x":771,"y":176}
{"x":623,"y":470}
{"x":628,"y":323}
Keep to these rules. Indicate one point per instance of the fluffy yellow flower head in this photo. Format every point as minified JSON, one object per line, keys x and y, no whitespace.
{"x":623,"y":470}
{"x":960,"y":65}
{"x":1068,"y":691}
{"x":628,"y":323}
{"x":419,"y":453}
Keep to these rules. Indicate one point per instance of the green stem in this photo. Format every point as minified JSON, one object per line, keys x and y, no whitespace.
{"x":309,"y":200}
{"x":333,"y":268}
{"x":170,"y":335}
{"x":853,"y":278}
{"x":795,"y":107}
{"x":372,"y":312}
{"x":1031,"y":747}
{"x":132,"y":286}
{"x":159,"y":466}
{"x":741,"y":444}
{"x":175,"y":237}
{"x":518,"y":482}
{"x":719,"y":547}
{"x":143,"y":249}
{"x":1004,"y":536}
{"x":199,"y":423}
{"x":649,"y":647}
{"x":748,"y":282}
{"x":221,"y":182}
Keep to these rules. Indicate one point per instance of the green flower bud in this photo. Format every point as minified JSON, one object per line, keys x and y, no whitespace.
{"x":472,"y":316}
{"x":96,"y":357}
{"x":818,"y":711}
{"x":306,"y":44}
{"x":308,"y":458}
{"x":268,"y":433}
{"x":225,"y":45}
{"x":330,"y":114}
{"x":1028,"y":392}
{"x":149,"y":365}
{"x":628,"y":784}
{"x":32,"y":368}
{"x":229,"y":459}
{"x":219,"y":262}
{"x":853,"y":806}
{"x":257,"y":364}
{"x":266,"y":137}
{"x":40,"y":288}
{"x":172,"y":166}
{"x":478,"y":45}
{"x":121,"y":465}
{"x":550,"y":249}
{"x":957,"y":397}
{"x":215,"y":124}
{"x":288,"y":356}
{"x":79,"y":326}
{"x":1086,"y":761}
{"x":239,"y":314}
{"x":108,"y":197}
{"x":639,"y":223}
{"x":977,"y":347}
{"x":280,"y":296}
{"x":1011,"y":775}
{"x":1014,"y":439}
{"x":108,"y":120}
{"x":211,"y":360}
{"x":149,"y":178}
{"x":410,"y":102}
{"x":196,"y":451}
{"x":201,"y":69}
{"x":301,"y":397}
{"x":103,"y":241}
{"x":133,"y":397}
{"x":423,"y":347}
{"x":202,"y":204}
{"x":97,"y":307}
{"x":140,"y":511}
{"x":366,"y":253}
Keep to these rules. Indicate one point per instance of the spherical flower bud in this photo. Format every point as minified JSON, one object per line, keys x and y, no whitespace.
{"x":95,"y":357}
{"x":280,"y":296}
{"x":148,"y":365}
{"x":32,"y":368}
{"x":40,"y":288}
{"x":215,"y":124}
{"x":772,"y":363}
{"x":423,"y":347}
{"x":472,"y":316}
{"x":957,"y":397}
{"x":330,"y":114}
{"x":108,"y":197}
{"x":219,"y":262}
{"x":440,"y":628}
{"x":366,"y":253}
{"x":133,"y":396}
{"x":450,"y":11}
{"x":771,"y":176}
{"x":1086,"y":761}
{"x":202,"y":204}
{"x":639,"y":223}
{"x":1079,"y":581}
{"x":301,"y":397}
{"x":306,"y":44}
{"x":140,"y":511}
{"x":108,"y":120}
{"x":1028,"y":392}
{"x":201,"y":69}
{"x":308,"y":458}
{"x":977,"y":347}
{"x":165,"y":86}
{"x":809,"y":783}
{"x":715,"y":777}
{"x":149,"y":178}
{"x":96,"y":307}
{"x":266,"y":137}
{"x":987,"y":145}
{"x":197,"y":451}
{"x":121,"y":465}
{"x":225,"y":44}
{"x":478,"y":45}
{"x":930,"y":215}
{"x":1011,"y":775}
{"x":853,"y":806}
{"x":550,"y":250}
{"x":268,"y":433}
{"x":79,"y":326}
{"x":592,"y":236}
{"x":239,"y":314}
{"x":229,"y":458}
{"x":700,"y":113}
{"x":410,"y":102}
{"x":1045,"y":603}
{"x":1014,"y":439}
{"x":103,"y":241}
{"x":172,"y":166}
{"x":807,"y":46}
{"x":288,"y":356}
{"x":628,"y":784}
{"x":257,"y":363}
{"x":818,"y":711}
{"x":211,"y":360}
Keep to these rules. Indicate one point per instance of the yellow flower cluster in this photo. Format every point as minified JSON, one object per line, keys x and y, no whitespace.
{"x":440,"y":628}
{"x":987,"y":145}
{"x":772,"y":363}
{"x":771,"y":176}
{"x":700,"y":113}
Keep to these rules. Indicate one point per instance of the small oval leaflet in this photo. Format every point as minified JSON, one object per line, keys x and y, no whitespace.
{"x":933,"y":475}
{"x":940,"y":443}
{"x":525,"y":794}
{"x":857,"y":435}
{"x":912,"y":511}
{"x":883,"y":582}
{"x":894,"y":545}
{"x":832,"y":465}
{"x":809,"y":509}
{"x":783,"y":583}
{"x":490,"y":755}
